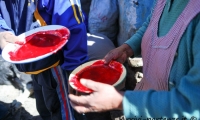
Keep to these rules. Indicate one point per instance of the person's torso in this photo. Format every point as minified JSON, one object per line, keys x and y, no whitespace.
{"x":20,"y":14}
{"x":159,"y":52}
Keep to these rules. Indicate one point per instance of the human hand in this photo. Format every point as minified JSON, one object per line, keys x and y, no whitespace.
{"x":120,"y":54}
{"x":7,"y":37}
{"x":103,"y":98}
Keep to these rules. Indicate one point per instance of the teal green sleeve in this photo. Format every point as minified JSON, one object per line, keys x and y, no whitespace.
{"x":182,"y":101}
{"x":135,"y":41}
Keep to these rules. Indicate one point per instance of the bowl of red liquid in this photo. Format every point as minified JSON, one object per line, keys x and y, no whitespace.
{"x":114,"y":74}
{"x":36,"y":44}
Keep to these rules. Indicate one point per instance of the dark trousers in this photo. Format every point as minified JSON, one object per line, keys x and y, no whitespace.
{"x":47,"y":101}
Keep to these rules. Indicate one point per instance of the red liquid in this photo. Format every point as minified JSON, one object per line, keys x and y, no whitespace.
{"x":40,"y":43}
{"x":98,"y":72}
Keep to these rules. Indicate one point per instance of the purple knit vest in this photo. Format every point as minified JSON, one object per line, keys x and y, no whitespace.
{"x":158,"y":52}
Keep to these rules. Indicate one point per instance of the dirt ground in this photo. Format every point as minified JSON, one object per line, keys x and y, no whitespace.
{"x":28,"y":110}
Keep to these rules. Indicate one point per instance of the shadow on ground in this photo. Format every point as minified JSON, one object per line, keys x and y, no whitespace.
{"x":26,"y":112}
{"x":21,"y":114}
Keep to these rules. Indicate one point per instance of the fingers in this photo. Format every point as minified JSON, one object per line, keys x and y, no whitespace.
{"x":123,"y":58}
{"x":79,"y":100}
{"x":7,"y":37}
{"x":82,"y":108}
{"x":81,"y":104}
{"x":11,"y":38}
{"x":108,"y":57}
{"x":95,"y":86}
{"x":116,"y":54}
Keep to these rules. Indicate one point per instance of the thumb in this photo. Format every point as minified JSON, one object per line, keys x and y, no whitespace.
{"x":95,"y":86}
{"x":11,"y":38}
{"x":7,"y":37}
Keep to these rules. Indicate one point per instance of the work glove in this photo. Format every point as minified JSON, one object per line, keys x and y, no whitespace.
{"x":7,"y":37}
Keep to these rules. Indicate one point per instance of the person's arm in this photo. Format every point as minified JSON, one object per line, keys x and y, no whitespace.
{"x":129,"y":48}
{"x":181,"y":101}
{"x":68,"y":13}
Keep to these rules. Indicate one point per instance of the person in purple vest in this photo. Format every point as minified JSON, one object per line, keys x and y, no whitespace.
{"x":170,"y":89}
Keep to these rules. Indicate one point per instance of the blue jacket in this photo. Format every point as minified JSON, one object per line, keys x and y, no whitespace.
{"x":20,"y":15}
